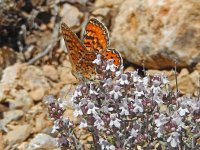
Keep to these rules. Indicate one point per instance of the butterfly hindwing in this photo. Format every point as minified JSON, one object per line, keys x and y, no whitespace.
{"x":115,"y":55}
{"x":96,"y":37}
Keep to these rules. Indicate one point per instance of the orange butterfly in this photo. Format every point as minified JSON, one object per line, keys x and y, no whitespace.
{"x":82,"y":54}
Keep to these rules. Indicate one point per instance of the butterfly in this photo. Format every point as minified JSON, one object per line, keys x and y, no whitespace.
{"x":83,"y":53}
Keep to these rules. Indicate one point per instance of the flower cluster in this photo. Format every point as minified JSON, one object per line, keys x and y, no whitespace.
{"x":124,"y":111}
{"x":62,"y":125}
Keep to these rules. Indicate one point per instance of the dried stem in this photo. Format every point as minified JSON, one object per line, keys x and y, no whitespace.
{"x":198,"y":98}
{"x":175,"y":74}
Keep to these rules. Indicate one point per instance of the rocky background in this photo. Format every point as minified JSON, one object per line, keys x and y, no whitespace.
{"x":150,"y":34}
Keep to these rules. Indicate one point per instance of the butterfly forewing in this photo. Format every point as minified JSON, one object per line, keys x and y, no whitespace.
{"x":73,"y":44}
{"x":96,"y":36}
{"x":80,"y":60}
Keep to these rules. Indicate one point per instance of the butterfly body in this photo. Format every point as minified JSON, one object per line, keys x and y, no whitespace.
{"x":82,"y":54}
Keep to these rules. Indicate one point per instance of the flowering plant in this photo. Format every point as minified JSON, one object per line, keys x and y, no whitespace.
{"x":125,"y":111}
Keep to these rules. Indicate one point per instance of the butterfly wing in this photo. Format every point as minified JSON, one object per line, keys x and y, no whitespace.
{"x":80,"y":59}
{"x":96,"y":37}
{"x":74,"y":46}
{"x":88,"y":67}
{"x":115,"y":55}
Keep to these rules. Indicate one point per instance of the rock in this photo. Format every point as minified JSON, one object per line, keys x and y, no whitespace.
{"x":50,"y":72}
{"x":1,"y":141}
{"x":38,"y":118}
{"x":8,"y":80}
{"x":69,"y":114}
{"x":3,"y":108}
{"x":32,"y":78}
{"x":22,"y":146}
{"x":186,"y":82}
{"x":42,"y":141}
{"x":158,"y":32}
{"x":108,"y":3}
{"x":83,"y":2}
{"x":56,"y":88}
{"x":129,"y":69}
{"x":12,"y":115}
{"x":40,"y":123}
{"x":197,"y":67}
{"x":66,"y":76}
{"x":7,"y":57}
{"x":170,"y":74}
{"x":37,"y":94}
{"x":101,"y":11}
{"x":194,"y":77}
{"x":20,"y":78}
{"x":20,"y":99}
{"x":10,"y":74}
{"x":71,"y":15}
{"x":18,"y":134}
{"x":85,"y":138}
{"x":67,"y":93}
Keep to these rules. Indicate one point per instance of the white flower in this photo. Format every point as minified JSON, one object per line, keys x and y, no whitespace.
{"x":108,"y":82}
{"x":83,"y":124}
{"x":194,"y":104}
{"x":92,"y":90}
{"x":128,"y":99}
{"x":111,"y":147}
{"x":77,"y":111}
{"x":106,"y":109}
{"x":61,"y":103}
{"x":155,"y":89}
{"x":91,"y":108}
{"x":105,"y":145}
{"x":97,"y":60}
{"x":164,"y":79}
{"x":114,"y":121}
{"x":146,"y":81}
{"x":124,"y":109}
{"x":123,"y":80}
{"x":116,"y":92}
{"x":177,"y":119}
{"x":135,"y":76}
{"x":182,"y":111}
{"x":99,"y":123}
{"x":162,"y":120}
{"x":157,"y":98}
{"x":83,"y":101}
{"x":61,"y":140}
{"x":55,"y":126}
{"x":137,"y":106}
{"x":134,"y":133}
{"x":77,"y":92}
{"x":159,"y":131}
{"x":174,"y":139}
{"x":119,"y":72}
{"x":110,"y":65}
{"x":138,"y":93}
{"x":49,"y":99}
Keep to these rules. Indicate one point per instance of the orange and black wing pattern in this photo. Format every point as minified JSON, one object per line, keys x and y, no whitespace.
{"x":82,"y":54}
{"x":74,"y":46}
{"x":79,"y":57}
{"x":114,"y":55}
{"x":96,"y":36}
